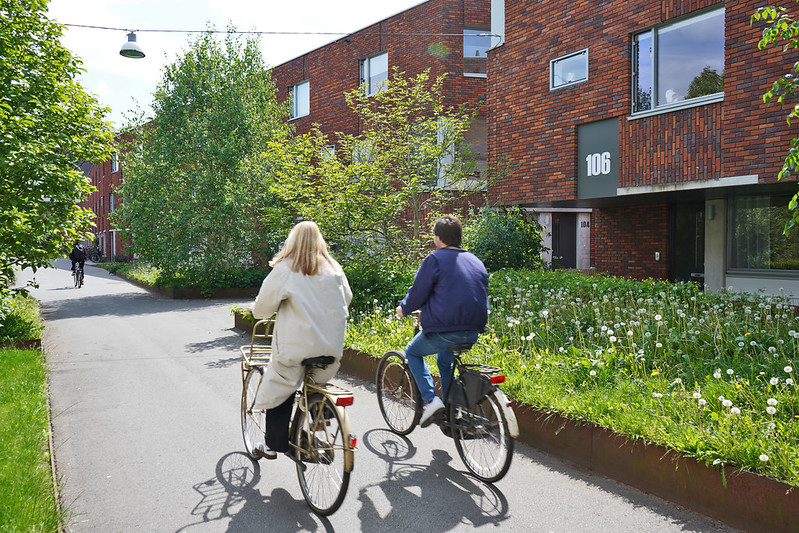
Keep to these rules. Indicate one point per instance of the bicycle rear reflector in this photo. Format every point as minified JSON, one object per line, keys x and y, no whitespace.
{"x":344,"y":401}
{"x":353,"y":442}
{"x":496,"y":380}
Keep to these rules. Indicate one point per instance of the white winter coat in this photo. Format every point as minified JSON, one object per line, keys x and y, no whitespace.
{"x":311,"y":321}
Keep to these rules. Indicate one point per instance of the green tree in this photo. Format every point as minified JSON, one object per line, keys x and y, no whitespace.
{"x":504,"y":238}
{"x":382,"y":185}
{"x":783,"y":29}
{"x":192,"y":206}
{"x":708,"y":82}
{"x":48,"y":125}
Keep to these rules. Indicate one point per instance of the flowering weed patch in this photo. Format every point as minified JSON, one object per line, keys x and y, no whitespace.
{"x":710,"y":375}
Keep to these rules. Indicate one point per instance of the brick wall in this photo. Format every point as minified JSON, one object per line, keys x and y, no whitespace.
{"x":535,"y":128}
{"x":628,"y":240}
{"x":334,"y":68}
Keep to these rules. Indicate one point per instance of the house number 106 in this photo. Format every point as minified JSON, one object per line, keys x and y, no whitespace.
{"x":597,"y":164}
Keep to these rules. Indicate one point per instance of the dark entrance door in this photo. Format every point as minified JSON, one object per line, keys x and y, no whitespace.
{"x":564,"y":240}
{"x":688,"y":242}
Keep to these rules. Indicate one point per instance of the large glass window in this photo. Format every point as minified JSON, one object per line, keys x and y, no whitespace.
{"x":756,"y":238}
{"x":680,"y":61}
{"x":300,"y":96}
{"x":568,"y":69}
{"x":374,"y":73}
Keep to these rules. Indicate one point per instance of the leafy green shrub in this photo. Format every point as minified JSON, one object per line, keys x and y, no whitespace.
{"x":223,"y":279}
{"x":504,"y":238}
{"x":19,"y":318}
{"x":377,"y":282}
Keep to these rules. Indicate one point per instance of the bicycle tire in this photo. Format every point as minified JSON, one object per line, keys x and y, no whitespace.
{"x":80,"y":280}
{"x":75,"y":278}
{"x":482,"y":438}
{"x":397,"y":394}
{"x":253,"y":421}
{"x":319,"y":448}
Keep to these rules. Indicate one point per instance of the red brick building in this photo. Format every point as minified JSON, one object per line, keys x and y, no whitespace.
{"x":642,"y":140}
{"x":445,"y":36}
{"x":107,"y":178}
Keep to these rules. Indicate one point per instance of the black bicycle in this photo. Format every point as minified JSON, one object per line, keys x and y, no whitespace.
{"x":77,"y":276}
{"x":477,"y":415}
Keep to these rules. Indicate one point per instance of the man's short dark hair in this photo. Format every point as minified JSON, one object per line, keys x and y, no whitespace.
{"x":448,"y":228}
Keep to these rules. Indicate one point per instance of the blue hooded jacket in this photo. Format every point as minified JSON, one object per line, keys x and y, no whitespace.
{"x":451,"y":289}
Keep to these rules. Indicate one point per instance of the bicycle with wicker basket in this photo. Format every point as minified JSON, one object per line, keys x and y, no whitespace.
{"x":321,"y":442}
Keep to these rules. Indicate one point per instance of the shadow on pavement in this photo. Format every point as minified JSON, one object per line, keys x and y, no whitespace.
{"x":231,"y":494}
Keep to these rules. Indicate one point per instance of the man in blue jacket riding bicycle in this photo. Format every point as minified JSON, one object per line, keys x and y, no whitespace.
{"x":451,"y":289}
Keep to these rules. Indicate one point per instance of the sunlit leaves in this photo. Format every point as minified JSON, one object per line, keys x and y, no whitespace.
{"x":49,"y":126}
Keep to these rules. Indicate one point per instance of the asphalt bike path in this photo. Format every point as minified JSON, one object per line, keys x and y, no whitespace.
{"x":145,"y":399}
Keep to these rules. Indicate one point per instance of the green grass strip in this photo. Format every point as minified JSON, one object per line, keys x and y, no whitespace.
{"x":27,"y":501}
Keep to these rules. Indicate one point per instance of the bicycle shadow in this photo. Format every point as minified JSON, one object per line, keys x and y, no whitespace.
{"x":437,"y":489}
{"x":231,"y":494}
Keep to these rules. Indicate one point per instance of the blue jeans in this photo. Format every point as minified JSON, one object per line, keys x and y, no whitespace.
{"x":435,"y":343}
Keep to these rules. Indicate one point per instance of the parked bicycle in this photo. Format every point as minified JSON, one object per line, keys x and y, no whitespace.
{"x":477,"y":413}
{"x":320,"y":438}
{"x":77,"y":275}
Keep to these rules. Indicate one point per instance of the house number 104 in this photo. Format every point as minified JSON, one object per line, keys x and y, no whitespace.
{"x":597,"y":164}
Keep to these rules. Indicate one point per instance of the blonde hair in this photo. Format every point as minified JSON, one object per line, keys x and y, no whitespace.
{"x":305,"y":248}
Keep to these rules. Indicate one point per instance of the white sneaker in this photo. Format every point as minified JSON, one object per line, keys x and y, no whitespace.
{"x":430,"y":410}
{"x":264,"y":451}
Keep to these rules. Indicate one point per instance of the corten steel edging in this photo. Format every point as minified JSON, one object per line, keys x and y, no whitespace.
{"x":748,"y":501}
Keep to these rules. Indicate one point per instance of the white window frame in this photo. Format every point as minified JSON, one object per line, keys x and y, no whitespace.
{"x":367,"y":64}
{"x":558,"y":62}
{"x":300,"y":99}
{"x":115,"y":162}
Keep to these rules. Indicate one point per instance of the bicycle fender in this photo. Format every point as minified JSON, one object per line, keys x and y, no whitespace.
{"x":510,"y":416}
{"x":346,"y":430}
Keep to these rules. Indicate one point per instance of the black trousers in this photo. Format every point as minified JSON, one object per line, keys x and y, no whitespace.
{"x":277,"y":426}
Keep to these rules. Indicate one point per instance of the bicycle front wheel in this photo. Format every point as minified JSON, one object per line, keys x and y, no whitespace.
{"x":253,"y":421}
{"x":482,"y":438}
{"x":318,"y":445}
{"x":397,"y":394}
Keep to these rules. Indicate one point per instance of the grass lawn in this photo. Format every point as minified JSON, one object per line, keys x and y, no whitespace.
{"x":27,"y":501}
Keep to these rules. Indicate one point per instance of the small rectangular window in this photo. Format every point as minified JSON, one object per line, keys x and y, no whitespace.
{"x":568,"y":69}
{"x":114,"y":162}
{"x":374,"y":73}
{"x":300,"y":97}
{"x":756,"y":241}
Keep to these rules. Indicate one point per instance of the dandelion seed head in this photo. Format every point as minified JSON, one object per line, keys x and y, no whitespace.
{"x":735,"y":411}
{"x":697,"y":395}
{"x":774,"y":381}
{"x":788,"y":369}
{"x":727,"y":403}
{"x":702,"y":401}
{"x":771,"y":410}
{"x":763,"y":457}
{"x":772,"y":401}
{"x":730,"y":371}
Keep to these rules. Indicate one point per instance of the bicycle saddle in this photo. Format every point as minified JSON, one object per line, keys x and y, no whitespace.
{"x":322,"y":360}
{"x":461,"y":348}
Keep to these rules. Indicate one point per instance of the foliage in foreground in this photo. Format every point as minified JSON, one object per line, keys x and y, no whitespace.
{"x":710,"y":375}
{"x":49,"y":125}
{"x":782,"y":29}
{"x":19,"y":317}
{"x":26,"y":485}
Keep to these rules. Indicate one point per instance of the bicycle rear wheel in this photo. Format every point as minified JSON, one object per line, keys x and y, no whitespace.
{"x":318,"y":446}
{"x":253,"y":421}
{"x":75,"y":278}
{"x":80,"y":278}
{"x":397,"y":394}
{"x":482,"y":438}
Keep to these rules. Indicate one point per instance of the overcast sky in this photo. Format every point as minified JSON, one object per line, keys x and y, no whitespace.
{"x":124,"y":84}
